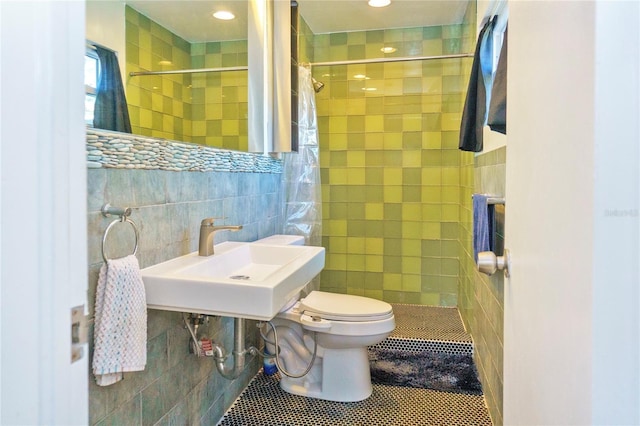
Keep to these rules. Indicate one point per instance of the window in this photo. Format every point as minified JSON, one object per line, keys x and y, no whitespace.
{"x":91,"y":75}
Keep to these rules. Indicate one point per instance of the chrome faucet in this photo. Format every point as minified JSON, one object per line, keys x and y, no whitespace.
{"x":207,"y":229}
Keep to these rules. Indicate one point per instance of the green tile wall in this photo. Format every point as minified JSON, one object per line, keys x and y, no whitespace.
{"x":219,"y":99}
{"x":205,"y":108}
{"x":390,"y":164}
{"x":481,"y":298}
{"x":159,"y":106}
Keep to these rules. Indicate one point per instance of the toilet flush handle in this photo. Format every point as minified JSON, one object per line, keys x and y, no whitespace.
{"x":314,"y":323}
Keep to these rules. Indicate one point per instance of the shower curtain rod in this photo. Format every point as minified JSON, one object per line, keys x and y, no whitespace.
{"x":317,"y":64}
{"x":188,"y":71}
{"x":399,"y":59}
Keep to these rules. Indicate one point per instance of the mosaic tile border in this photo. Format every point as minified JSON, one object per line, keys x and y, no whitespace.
{"x":107,"y":149}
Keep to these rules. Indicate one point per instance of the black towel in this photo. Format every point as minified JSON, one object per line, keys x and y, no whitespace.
{"x":497,"y":119}
{"x":475,"y":105}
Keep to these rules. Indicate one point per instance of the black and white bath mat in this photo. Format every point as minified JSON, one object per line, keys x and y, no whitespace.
{"x":427,"y":370}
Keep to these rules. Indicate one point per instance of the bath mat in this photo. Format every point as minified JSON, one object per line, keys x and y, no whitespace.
{"x":426,"y":370}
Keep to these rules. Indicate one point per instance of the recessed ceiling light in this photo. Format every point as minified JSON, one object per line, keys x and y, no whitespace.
{"x":369,"y":89}
{"x":361,"y":77}
{"x":379,"y":3}
{"x":164,"y":63}
{"x":225,"y":15}
{"x":388,"y":49}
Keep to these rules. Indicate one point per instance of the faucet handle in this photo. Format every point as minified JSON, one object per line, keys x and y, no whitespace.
{"x":210,"y":220}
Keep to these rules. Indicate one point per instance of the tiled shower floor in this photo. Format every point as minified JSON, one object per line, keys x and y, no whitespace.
{"x":263,"y":403}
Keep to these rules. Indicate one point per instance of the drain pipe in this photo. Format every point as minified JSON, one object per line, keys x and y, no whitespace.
{"x":239,"y":352}
{"x":220,"y":355}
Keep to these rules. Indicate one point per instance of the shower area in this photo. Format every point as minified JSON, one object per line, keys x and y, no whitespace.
{"x":396,"y":190}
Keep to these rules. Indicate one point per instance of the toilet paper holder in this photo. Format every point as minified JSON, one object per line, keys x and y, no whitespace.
{"x":489,"y":263}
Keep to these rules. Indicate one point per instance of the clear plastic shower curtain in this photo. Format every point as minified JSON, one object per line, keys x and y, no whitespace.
{"x":301,"y":171}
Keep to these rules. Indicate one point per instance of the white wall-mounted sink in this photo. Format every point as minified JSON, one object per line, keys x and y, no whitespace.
{"x":243,"y":280}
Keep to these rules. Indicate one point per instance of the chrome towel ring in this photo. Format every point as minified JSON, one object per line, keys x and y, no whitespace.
{"x":123,"y":213}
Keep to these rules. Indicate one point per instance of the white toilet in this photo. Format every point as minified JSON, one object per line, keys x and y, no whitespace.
{"x":344,"y":326}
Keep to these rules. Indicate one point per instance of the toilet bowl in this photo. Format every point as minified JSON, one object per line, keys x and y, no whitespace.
{"x":342,"y":326}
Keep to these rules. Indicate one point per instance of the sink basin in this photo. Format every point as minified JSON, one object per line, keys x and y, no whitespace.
{"x":242,"y":280}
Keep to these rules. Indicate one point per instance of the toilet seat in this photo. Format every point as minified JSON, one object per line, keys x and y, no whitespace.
{"x":344,"y":307}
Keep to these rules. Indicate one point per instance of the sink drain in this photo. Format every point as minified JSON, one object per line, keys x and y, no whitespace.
{"x":240,"y":277}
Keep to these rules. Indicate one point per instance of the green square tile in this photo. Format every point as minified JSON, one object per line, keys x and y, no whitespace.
{"x":431,"y":266}
{"x":451,"y":46}
{"x":432,"y":212}
{"x":355,"y":211}
{"x":449,"y":231}
{"x":415,"y":33}
{"x":373,"y":280}
{"x":393,"y":34}
{"x":431,"y":248}
{"x":450,"y":267}
{"x":355,"y":123}
{"x":431,"y":194}
{"x":452,"y":31}
{"x":393,"y":123}
{"x":338,"y":159}
{"x":412,"y":48}
{"x":411,"y":176}
{"x":411,"y":140}
{"x":450,"y":157}
{"x":450,"y":248}
{"x":392,"y":211}
{"x":375,"y":229}
{"x":392,"y":158}
{"x":356,"y":228}
{"x":411,"y":194}
{"x":393,"y":229}
{"x":375,"y":158}
{"x":374,"y":194}
{"x":376,"y":36}
{"x":431,"y":157}
{"x":356,"y":51}
{"x":337,"y":39}
{"x":431,"y":122}
{"x":356,"y":193}
{"x":432,"y":32}
{"x":393,"y":264}
{"x":338,"y":193}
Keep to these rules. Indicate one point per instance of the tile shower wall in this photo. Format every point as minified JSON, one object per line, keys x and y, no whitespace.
{"x":391,"y":165}
{"x":176,"y":387}
{"x":159,"y":106}
{"x":219,"y":99}
{"x":205,"y":108}
{"x":482,"y":297}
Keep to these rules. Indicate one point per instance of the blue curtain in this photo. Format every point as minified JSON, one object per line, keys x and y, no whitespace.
{"x":111,"y":111}
{"x":497,"y":119}
{"x":474,"y":114}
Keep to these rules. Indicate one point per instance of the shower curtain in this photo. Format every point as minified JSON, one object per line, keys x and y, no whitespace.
{"x":111,"y":111}
{"x":301,"y":172}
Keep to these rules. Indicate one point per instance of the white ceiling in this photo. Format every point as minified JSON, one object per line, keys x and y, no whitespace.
{"x":193,"y":21}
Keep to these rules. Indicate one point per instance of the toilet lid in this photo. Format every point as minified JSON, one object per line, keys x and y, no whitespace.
{"x":344,"y":307}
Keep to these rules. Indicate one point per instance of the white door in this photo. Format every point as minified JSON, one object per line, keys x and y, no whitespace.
{"x":42,"y":211}
{"x":571,"y":304}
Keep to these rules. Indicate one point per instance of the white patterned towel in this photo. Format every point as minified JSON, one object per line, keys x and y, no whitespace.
{"x":120,"y":332}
